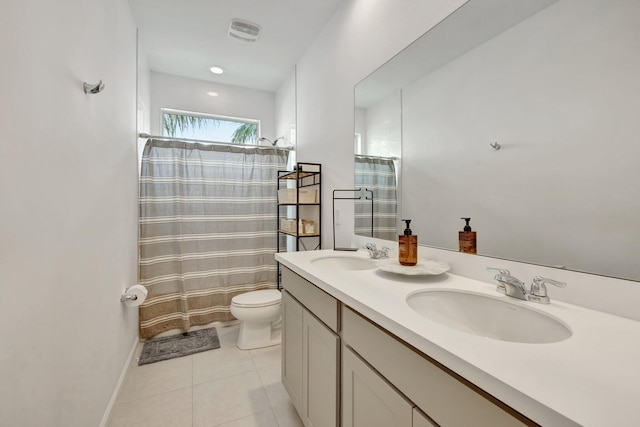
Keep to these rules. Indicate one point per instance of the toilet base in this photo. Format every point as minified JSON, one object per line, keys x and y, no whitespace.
{"x":257,"y":335}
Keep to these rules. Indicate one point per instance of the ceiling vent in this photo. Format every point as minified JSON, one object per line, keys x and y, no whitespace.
{"x":244,"y":30}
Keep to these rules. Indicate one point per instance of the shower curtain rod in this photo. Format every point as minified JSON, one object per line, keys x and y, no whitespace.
{"x":201,"y":141}
{"x":364,"y":156}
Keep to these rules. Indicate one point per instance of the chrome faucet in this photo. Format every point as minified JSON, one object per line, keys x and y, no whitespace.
{"x":500,"y":288}
{"x":376,"y":253}
{"x":539,"y":290}
{"x":515,"y":288}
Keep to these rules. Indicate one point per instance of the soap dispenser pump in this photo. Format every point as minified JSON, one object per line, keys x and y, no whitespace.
{"x":467,"y":239}
{"x":408,"y":246}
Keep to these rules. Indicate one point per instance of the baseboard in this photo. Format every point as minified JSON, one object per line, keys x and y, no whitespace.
{"x":114,"y":395}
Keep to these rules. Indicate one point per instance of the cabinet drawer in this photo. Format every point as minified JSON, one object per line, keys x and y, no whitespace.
{"x":317,"y":301}
{"x":446,"y":398}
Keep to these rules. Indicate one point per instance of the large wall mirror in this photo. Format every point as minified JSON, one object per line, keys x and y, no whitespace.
{"x":555,"y":84}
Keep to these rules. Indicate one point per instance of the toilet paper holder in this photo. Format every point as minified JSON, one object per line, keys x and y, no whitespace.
{"x":134,"y":295}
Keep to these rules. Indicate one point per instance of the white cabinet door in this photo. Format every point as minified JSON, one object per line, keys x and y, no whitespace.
{"x":367,"y":399}
{"x":320,"y":357}
{"x":310,"y":357}
{"x":292,"y":377}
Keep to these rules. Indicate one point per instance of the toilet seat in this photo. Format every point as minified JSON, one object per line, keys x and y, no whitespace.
{"x":261,"y":298}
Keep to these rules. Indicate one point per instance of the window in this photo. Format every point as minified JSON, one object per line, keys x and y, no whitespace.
{"x":209,"y":127}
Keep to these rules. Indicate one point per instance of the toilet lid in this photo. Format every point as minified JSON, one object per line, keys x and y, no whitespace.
{"x":260,"y":298}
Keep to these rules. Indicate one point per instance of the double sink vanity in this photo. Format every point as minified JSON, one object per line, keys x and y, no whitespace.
{"x":363,"y":346}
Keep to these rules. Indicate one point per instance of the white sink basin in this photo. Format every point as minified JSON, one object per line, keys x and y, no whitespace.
{"x":343,"y":263}
{"x":488,"y":316}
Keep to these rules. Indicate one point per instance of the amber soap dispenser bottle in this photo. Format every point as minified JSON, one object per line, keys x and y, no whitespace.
{"x":467,"y":239}
{"x":408,"y":246}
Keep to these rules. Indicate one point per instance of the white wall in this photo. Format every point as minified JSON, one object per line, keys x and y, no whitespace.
{"x":181,"y":93}
{"x":285,"y":111}
{"x":143,"y":121}
{"x":68,"y":215}
{"x":360,"y":37}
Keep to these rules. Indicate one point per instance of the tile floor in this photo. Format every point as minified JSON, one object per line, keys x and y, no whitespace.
{"x":226,"y":387}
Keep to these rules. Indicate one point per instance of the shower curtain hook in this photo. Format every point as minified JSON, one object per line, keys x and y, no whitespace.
{"x":93,"y":88}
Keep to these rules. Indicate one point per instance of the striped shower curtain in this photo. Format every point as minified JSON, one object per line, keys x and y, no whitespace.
{"x":379,"y":175}
{"x":207,"y":230}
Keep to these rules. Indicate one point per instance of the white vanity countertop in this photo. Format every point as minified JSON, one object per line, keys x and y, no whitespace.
{"x":590,"y":379}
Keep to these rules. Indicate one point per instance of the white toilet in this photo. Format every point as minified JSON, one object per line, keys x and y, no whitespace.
{"x":260,"y":316}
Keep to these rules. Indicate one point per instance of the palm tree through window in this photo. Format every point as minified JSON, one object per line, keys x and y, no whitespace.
{"x":208,"y":127}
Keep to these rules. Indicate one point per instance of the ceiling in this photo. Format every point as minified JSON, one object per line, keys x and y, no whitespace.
{"x":187,"y":37}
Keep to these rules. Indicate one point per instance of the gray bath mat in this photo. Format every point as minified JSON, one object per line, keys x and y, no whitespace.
{"x":179,"y":345}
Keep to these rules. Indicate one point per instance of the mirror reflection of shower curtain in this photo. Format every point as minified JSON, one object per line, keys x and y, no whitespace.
{"x":379,"y":175}
{"x":207,"y":230}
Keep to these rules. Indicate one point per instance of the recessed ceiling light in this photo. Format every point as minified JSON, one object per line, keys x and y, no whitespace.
{"x":212,"y":93}
{"x":216,"y":70}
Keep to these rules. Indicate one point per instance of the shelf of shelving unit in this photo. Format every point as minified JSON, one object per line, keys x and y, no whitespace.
{"x":305,"y":176}
{"x":289,"y":233}
{"x":300,"y":174}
